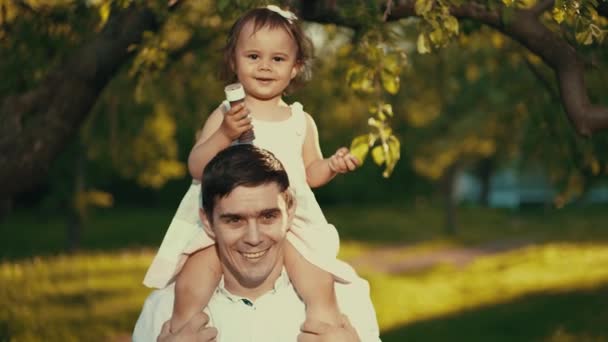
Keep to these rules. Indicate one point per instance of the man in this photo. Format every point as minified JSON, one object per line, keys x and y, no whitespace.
{"x":247,"y":209}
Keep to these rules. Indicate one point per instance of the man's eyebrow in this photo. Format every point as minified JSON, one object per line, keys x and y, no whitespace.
{"x":269,"y":211}
{"x":230,"y":216}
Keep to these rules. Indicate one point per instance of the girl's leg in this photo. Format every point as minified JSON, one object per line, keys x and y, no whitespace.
{"x":195,"y":285}
{"x":314,"y":285}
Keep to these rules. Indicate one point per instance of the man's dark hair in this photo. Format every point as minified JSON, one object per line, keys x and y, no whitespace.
{"x":240,"y":165}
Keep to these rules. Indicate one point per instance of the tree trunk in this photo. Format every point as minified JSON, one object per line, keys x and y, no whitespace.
{"x":448,"y":183}
{"x":6,"y":207}
{"x":35,"y":126}
{"x":76,"y":207}
{"x":74,"y":231}
{"x":485,"y":171}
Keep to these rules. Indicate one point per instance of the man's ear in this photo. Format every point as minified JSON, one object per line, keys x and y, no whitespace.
{"x":291,"y":210}
{"x":206,"y":223}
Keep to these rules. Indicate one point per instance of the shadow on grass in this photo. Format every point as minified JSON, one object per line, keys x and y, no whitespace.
{"x":27,"y":234}
{"x":408,"y":225}
{"x":580,"y":315}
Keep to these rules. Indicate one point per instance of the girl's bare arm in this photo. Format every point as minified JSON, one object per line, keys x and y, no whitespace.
{"x":219,"y":131}
{"x":320,"y":171}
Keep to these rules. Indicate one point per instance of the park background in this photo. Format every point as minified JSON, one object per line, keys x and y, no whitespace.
{"x":485,"y":219}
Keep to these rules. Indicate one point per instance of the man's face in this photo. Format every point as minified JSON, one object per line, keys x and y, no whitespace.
{"x":249,"y":226}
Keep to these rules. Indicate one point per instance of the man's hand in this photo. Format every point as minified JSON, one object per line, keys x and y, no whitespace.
{"x":315,"y":331}
{"x":195,"y":330}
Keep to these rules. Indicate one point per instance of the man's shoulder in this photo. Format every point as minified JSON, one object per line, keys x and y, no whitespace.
{"x":157,"y":309}
{"x":356,"y":284}
{"x":355,"y":302}
{"x":161,"y":297}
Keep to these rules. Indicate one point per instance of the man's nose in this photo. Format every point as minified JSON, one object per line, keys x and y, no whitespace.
{"x":252,"y":236}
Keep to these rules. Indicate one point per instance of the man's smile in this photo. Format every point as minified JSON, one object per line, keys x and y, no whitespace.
{"x":254,"y":255}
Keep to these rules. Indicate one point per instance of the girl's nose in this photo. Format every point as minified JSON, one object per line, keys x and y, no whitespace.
{"x":264,"y":66}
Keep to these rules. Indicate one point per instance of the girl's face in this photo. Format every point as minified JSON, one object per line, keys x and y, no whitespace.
{"x":265,"y":61}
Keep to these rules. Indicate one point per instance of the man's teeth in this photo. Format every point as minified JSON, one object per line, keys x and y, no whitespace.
{"x":253,"y":255}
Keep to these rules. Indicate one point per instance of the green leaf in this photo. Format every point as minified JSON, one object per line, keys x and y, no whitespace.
{"x":360,"y":78}
{"x":359,"y":147}
{"x":390,"y":82}
{"x":387,"y":109}
{"x":104,"y":13}
{"x":558,"y":14}
{"x":378,"y":155}
{"x":375,"y":123}
{"x":391,"y":64}
{"x":585,"y":37}
{"x":393,"y":155}
{"x":423,"y":44}
{"x":422,"y":7}
{"x":222,"y":5}
{"x":451,"y":24}
{"x":436,"y":36}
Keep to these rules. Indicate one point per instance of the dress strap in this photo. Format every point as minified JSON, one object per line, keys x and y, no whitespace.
{"x":299,"y":116}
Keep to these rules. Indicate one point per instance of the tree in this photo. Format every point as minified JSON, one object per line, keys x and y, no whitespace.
{"x":37,"y":121}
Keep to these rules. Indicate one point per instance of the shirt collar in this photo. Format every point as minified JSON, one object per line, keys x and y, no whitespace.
{"x":281,"y":282}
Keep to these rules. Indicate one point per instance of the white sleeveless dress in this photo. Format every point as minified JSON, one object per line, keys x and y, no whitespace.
{"x":312,"y":236}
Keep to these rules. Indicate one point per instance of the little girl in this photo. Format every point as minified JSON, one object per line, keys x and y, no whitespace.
{"x":266,"y":50}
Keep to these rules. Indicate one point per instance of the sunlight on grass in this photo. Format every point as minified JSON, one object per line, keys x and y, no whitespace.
{"x":555,"y":289}
{"x":401,"y":299}
{"x":72,"y":298}
{"x":97,"y":296}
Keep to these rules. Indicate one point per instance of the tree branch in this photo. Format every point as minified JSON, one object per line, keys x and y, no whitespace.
{"x":569,"y":67}
{"x":541,"y":6}
{"x":525,"y":27}
{"x":325,"y":12}
{"x":544,"y":81}
{"x":36,"y":125}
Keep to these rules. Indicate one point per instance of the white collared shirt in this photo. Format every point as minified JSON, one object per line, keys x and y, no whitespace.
{"x":275,"y":316}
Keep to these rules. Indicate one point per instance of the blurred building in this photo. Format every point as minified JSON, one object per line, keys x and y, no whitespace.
{"x":510,"y":188}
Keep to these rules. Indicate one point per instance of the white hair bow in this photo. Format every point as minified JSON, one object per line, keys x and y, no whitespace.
{"x":283,"y":13}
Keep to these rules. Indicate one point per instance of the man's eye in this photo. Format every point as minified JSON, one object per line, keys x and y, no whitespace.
{"x":233,"y":220}
{"x":269,"y":216}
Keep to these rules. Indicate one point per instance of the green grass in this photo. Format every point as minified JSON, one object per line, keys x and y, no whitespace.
{"x":555,"y":289}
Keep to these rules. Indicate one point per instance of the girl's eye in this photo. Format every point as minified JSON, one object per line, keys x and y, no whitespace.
{"x":278,"y":59}
{"x":252,"y":56}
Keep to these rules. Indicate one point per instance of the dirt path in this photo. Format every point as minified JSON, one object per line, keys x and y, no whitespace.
{"x":404,"y":259}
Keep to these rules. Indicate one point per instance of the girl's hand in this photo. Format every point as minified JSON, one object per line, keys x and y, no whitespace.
{"x":342,"y":161}
{"x":236,"y":122}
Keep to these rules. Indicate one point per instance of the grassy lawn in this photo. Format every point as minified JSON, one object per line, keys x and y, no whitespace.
{"x":553,"y":289}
